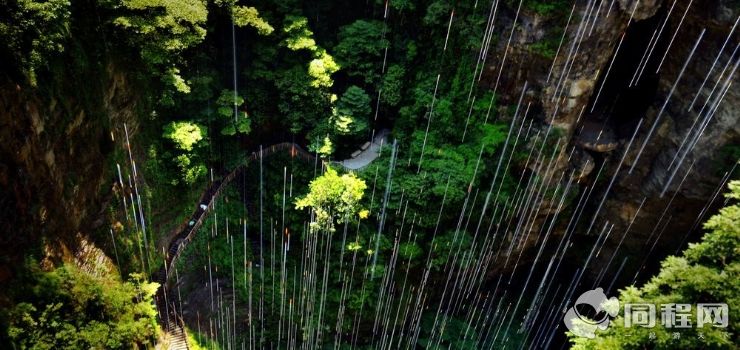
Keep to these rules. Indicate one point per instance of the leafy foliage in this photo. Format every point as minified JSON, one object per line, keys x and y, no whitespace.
{"x":186,"y":136}
{"x":30,"y":31}
{"x":360,"y":49}
{"x":161,"y":29}
{"x":707,"y":272}
{"x":228,"y":103}
{"x":67,"y":308}
{"x":298,"y":35}
{"x":392,"y":87}
{"x":332,"y":198}
{"x":249,"y":16}
{"x":453,"y":333}
{"x":352,"y":111}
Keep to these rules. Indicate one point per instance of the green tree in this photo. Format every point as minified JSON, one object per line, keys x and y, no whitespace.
{"x":161,"y":30}
{"x":707,"y":272}
{"x":305,"y":99}
{"x":352,"y":111}
{"x":188,"y":138}
{"x":303,"y":106}
{"x":249,"y":16}
{"x":333,"y":198}
{"x":228,"y":102}
{"x":30,"y":31}
{"x":392,"y":88}
{"x":360,"y":49}
{"x":321,"y":68}
{"x":68,"y":308}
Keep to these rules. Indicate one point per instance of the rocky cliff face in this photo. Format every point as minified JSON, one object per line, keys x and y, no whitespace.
{"x":606,"y":81}
{"x":54,"y":171}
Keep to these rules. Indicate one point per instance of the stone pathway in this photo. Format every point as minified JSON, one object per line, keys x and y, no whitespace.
{"x":169,"y":318}
{"x":369,"y":154}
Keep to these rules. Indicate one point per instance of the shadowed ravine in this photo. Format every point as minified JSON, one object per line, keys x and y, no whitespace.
{"x":173,"y":323}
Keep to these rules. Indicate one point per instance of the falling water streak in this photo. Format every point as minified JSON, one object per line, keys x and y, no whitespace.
{"x":377,"y":105}
{"x":488,"y":112}
{"x":489,"y":194}
{"x":632,"y":14}
{"x":716,"y":83}
{"x":644,"y":261}
{"x":700,"y":217}
{"x":508,"y":46}
{"x":467,"y":121}
{"x":562,"y":39}
{"x":570,"y":58}
{"x":701,"y":130}
{"x":624,"y":235}
{"x":140,"y":218}
{"x":233,"y":279}
{"x":527,"y":222}
{"x":714,"y":63}
{"x":614,"y":177}
{"x":283,"y":233}
{"x":644,"y":59}
{"x":665,"y":103}
{"x":487,"y":200}
{"x":568,"y":233}
{"x":566,"y":191}
{"x":480,"y":51}
{"x":115,"y":250}
{"x":233,"y":57}
{"x":707,"y":117}
{"x":540,"y":328}
{"x":427,"y":268}
{"x":248,"y":286}
{"x":674,"y":36}
{"x":606,"y":76}
{"x":596,"y":17}
{"x":655,"y":43}
{"x":123,"y":192}
{"x":449,"y":26}
{"x":261,"y":258}
{"x":573,"y":52}
{"x":429,"y":122}
{"x":484,"y":55}
{"x":385,"y":202}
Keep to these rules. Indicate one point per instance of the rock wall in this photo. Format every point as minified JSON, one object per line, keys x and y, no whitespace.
{"x":54,"y":170}
{"x":594,"y":97}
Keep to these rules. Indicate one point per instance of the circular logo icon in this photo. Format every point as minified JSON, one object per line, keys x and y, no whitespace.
{"x":603,"y":311}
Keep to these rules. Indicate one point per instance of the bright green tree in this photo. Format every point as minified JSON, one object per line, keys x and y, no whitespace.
{"x":161,"y":29}
{"x":333,"y":198}
{"x":188,"y":138}
{"x":352,"y":111}
{"x":249,"y":16}
{"x":707,"y":272}
{"x":305,"y":100}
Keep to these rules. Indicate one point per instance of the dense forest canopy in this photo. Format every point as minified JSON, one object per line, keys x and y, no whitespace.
{"x":354,"y":175}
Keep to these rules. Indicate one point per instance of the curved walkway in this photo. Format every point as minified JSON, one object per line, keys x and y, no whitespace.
{"x":170,"y":316}
{"x":368,"y":154}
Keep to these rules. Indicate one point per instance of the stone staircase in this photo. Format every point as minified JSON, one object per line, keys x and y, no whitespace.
{"x":172,"y":323}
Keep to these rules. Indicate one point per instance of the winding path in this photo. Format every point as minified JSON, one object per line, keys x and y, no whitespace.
{"x":171,"y":318}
